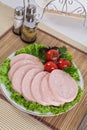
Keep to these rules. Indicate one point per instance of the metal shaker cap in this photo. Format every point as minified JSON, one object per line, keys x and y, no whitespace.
{"x":31,"y":9}
{"x":19,"y":11}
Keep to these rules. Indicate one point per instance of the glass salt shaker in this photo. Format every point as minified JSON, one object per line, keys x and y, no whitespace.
{"x":29,"y":27}
{"x":18,"y":20}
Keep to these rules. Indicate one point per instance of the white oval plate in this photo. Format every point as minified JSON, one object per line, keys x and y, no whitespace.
{"x":36,"y":113}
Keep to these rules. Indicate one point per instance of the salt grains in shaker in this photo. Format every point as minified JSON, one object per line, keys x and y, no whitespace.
{"x":18,"y":20}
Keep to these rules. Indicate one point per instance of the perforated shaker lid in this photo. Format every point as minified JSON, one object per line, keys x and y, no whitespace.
{"x":19,"y":11}
{"x":31,"y":9}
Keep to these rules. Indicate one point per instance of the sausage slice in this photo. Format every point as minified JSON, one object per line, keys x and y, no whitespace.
{"x":23,"y":57}
{"x":26,"y":83}
{"x":63,"y":86}
{"x":35,"y":87}
{"x":46,"y":93}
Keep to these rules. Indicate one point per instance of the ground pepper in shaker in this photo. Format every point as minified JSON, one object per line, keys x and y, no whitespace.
{"x":29,"y":27}
{"x":18,"y":20}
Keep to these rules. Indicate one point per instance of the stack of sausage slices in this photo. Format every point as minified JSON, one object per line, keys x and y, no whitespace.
{"x":46,"y":84}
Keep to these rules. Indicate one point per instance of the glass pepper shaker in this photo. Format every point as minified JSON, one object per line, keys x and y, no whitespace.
{"x":29,"y":27}
{"x":18,"y":20}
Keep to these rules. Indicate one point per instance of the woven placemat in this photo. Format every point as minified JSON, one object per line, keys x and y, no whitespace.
{"x":85,"y":128}
{"x":13,"y":119}
{"x":11,"y":43}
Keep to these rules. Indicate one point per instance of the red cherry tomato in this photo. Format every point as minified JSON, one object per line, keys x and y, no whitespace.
{"x":62,"y":63}
{"x":49,"y":66}
{"x":52,"y":55}
{"x":67,"y":63}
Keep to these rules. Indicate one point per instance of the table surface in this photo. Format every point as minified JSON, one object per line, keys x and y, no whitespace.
{"x":72,"y":119}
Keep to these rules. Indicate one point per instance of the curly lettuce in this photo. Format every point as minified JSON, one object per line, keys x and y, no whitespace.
{"x":73,"y":71}
{"x":33,"y":106}
{"x":34,"y":49}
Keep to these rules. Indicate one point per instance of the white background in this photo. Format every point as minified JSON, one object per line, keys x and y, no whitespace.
{"x":71,"y":27}
{"x":15,"y":3}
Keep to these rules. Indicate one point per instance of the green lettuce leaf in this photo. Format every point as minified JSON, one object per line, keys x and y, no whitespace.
{"x":34,"y":49}
{"x":63,"y":53}
{"x":73,"y":71}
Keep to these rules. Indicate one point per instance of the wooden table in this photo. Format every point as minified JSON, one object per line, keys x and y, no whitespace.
{"x":72,"y":119}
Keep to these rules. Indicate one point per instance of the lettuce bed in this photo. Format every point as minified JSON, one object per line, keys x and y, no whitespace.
{"x":34,"y":49}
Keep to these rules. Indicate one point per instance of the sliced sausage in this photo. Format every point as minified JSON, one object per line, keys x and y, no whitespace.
{"x":23,"y":57}
{"x":26,"y":84}
{"x":22,"y":63}
{"x":47,"y":96}
{"x":18,"y":75}
{"x":63,"y":86}
{"x":35,"y":87}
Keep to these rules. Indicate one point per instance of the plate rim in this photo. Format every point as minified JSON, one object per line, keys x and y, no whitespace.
{"x":22,"y":108}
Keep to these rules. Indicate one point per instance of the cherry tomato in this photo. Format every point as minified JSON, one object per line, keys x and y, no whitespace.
{"x":52,"y":55}
{"x":49,"y":66}
{"x":67,"y":63}
{"x":62,"y":63}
